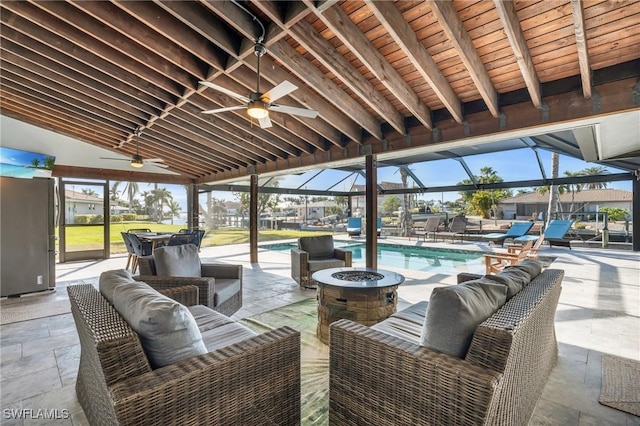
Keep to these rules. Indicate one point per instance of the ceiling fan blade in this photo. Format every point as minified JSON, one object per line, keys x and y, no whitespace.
{"x":303,"y":112}
{"x":164,"y":166}
{"x":280,"y":90}
{"x":225,"y":91}
{"x":233,"y":108}
{"x":264,"y":122}
{"x":154,"y":160}
{"x":112,"y":158}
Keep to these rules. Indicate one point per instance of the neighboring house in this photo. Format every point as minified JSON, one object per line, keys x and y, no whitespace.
{"x":527,"y":205}
{"x":78,"y":203}
{"x":314,"y":211}
{"x":359,"y":202}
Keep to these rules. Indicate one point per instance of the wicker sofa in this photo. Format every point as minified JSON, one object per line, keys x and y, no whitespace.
{"x":255,"y":380}
{"x":380,"y":378}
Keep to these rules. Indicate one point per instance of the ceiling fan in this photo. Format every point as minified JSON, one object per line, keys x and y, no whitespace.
{"x":259,"y":104}
{"x":136,"y":159}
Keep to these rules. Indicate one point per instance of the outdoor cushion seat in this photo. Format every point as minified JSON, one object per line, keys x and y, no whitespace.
{"x":518,"y":229}
{"x":554,"y":233}
{"x":354,"y":226}
{"x":406,"y":324}
{"x":314,"y":254}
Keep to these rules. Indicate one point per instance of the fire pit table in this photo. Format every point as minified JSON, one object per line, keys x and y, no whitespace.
{"x":364,"y":295}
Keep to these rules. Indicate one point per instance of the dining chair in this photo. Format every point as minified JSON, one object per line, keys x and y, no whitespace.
{"x":138,"y":230}
{"x":190,"y":238}
{"x":140,"y":248}
{"x":130,"y":251}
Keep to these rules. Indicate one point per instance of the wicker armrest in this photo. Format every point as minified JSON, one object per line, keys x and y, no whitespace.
{"x":346,"y":255}
{"x":186,"y":294}
{"x":206,"y":389}
{"x":390,"y":381}
{"x":300,"y":266}
{"x":206,"y":285}
{"x":221,"y":270}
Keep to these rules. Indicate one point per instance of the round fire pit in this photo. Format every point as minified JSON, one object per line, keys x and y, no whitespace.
{"x":364,"y":295}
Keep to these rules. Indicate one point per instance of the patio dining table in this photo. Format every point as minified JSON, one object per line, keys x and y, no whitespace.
{"x":155,"y":238}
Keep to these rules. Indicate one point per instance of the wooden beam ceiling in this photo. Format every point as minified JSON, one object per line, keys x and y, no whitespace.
{"x":384,"y":76}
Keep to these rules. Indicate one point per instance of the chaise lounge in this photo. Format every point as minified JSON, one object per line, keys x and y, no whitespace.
{"x":517,"y":229}
{"x":554,"y":234}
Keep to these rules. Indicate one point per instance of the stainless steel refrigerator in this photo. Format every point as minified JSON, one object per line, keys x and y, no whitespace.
{"x":27,"y":235}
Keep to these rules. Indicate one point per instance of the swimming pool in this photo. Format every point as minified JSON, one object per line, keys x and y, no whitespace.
{"x":400,"y":256}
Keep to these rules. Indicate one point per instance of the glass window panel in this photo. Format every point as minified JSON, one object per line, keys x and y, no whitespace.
{"x":439,"y":173}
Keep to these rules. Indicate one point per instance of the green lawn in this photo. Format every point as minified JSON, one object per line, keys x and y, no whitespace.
{"x":90,"y":237}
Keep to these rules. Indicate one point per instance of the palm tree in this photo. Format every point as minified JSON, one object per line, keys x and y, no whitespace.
{"x":406,"y":218}
{"x":594,"y":171}
{"x":572,"y":187}
{"x":89,"y":192}
{"x":554,"y":193}
{"x":161,"y":196}
{"x":174,"y":209}
{"x":131,"y":189}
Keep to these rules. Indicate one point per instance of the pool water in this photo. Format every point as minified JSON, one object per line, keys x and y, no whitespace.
{"x":406,"y":257}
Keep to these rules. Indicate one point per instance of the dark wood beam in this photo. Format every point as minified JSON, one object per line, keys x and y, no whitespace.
{"x":371,"y":168}
{"x":396,"y":25}
{"x":581,"y":44}
{"x":450,"y":22}
{"x":349,"y":33}
{"x":119,"y":175}
{"x":507,"y":12}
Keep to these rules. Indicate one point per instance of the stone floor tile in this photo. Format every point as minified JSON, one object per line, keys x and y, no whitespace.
{"x":548,"y":413}
{"x":60,"y":404}
{"x":62,"y":340}
{"x":29,"y":385}
{"x":27,"y":364}
{"x":10,"y":352}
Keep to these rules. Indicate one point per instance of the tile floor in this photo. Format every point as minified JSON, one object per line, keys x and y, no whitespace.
{"x":599,"y":312}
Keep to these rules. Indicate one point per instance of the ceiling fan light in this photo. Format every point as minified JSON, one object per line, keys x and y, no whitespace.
{"x":137,"y":162}
{"x":257,"y":110}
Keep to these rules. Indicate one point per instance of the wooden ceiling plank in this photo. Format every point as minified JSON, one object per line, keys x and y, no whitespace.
{"x":509,"y":18}
{"x":123,"y":32}
{"x":75,"y":71}
{"x":396,"y":25}
{"x":303,"y":69}
{"x":172,"y":29}
{"x":272,"y":72}
{"x":581,"y":44}
{"x":17,"y":63}
{"x":75,"y":99}
{"x":341,"y":25}
{"x":27,"y":34}
{"x":329,"y":57}
{"x":459,"y":37}
{"x":39,"y":17}
{"x":97,"y":38}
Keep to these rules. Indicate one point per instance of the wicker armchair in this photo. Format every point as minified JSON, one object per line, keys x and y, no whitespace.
{"x":314,"y":254}
{"x":220,"y":285}
{"x":253,"y":382}
{"x":382,"y":379}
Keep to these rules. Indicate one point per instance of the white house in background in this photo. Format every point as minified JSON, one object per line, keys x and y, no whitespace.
{"x":78,"y":203}
{"x":527,"y":205}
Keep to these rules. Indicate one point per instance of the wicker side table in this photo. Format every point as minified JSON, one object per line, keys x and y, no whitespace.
{"x":364,"y":295}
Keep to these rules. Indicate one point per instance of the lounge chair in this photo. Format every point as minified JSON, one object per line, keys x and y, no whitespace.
{"x":431,"y":225}
{"x":496,"y":262}
{"x":457,"y":228}
{"x":379,"y":226}
{"x":518,"y":229}
{"x":354,"y":226}
{"x":554,"y":233}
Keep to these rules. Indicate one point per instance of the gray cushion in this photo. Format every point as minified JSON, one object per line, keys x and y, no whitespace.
{"x":455,"y":311}
{"x":178,"y":261}
{"x":316,"y":265}
{"x":226,"y":288}
{"x":109,"y":280}
{"x":320,"y":247}
{"x":207,"y":318}
{"x":530,"y":266}
{"x":514,"y":279}
{"x":168,"y":332}
{"x":406,"y":324}
{"x":226,"y":335}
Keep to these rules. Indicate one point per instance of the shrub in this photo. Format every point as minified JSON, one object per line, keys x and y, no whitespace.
{"x":82,"y":219}
{"x":615,"y":213}
{"x":128,"y":217}
{"x":97,"y":218}
{"x":579,"y":225}
{"x":116,"y":218}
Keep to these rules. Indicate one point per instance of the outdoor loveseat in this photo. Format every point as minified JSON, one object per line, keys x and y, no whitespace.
{"x":153,"y":377}
{"x":385,"y":375}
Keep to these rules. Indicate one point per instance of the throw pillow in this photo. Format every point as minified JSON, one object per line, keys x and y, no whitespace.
{"x":168,"y":332}
{"x":109,"y":280}
{"x":178,"y":261}
{"x":454,"y":312}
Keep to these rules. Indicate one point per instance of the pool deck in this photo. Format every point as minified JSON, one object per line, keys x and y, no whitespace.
{"x":598,"y":313}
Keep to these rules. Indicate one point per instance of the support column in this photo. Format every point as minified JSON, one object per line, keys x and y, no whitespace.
{"x":193,"y":207}
{"x":371,"y":191}
{"x":253,"y":219}
{"x":635,"y":206}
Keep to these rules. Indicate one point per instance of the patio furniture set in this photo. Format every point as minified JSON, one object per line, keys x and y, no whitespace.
{"x":161,"y":348}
